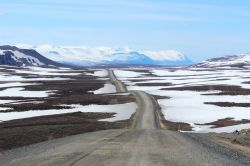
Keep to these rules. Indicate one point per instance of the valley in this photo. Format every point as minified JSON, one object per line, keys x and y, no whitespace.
{"x":124,"y":83}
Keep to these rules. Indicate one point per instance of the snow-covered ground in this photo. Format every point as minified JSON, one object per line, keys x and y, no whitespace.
{"x":108,"y":88}
{"x":20,"y":92}
{"x":11,"y":79}
{"x":14,"y":78}
{"x":181,"y":72}
{"x":13,"y":82}
{"x":38,"y":73}
{"x":183,"y":106}
{"x":47,"y":71}
{"x":123,"y":111}
{"x":7,"y":77}
{"x":228,"y":129}
{"x":188,"y":106}
{"x":99,"y":73}
{"x":123,"y":74}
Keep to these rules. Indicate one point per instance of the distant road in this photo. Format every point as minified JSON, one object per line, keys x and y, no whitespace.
{"x":120,"y":87}
{"x":146,"y":108}
{"x":144,"y":145}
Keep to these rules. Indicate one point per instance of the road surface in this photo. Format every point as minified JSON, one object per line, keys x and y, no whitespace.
{"x":120,"y":87}
{"x":145,"y":114}
{"x":144,"y":145}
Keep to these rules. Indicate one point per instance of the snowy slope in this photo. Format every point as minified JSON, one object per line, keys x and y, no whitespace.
{"x":87,"y":56}
{"x":10,"y":55}
{"x":190,"y":106}
{"x":240,"y":61}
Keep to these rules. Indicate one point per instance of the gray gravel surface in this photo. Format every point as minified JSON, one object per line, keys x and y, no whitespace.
{"x":127,"y":147}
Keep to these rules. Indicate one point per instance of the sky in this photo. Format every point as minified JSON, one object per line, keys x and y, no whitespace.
{"x":197,"y":28}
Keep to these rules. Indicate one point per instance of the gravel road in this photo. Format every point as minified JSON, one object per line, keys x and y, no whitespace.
{"x":120,"y":87}
{"x":126,"y":147}
{"x":144,"y":145}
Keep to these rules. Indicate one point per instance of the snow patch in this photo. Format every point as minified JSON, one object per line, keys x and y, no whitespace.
{"x":127,"y":74}
{"x":19,"y":92}
{"x":99,"y":73}
{"x":108,"y":88}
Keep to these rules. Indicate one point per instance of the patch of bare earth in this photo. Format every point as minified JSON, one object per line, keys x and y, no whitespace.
{"x":21,"y":132}
{"x":139,"y":70}
{"x":181,"y":76}
{"x":204,"y":78}
{"x":76,"y":89}
{"x":226,"y":122}
{"x":66,"y":87}
{"x":246,"y":82}
{"x":154,"y":84}
{"x":228,"y":104}
{"x":238,"y":140}
{"x":177,"y":126}
{"x":157,"y":97}
{"x":60,"y":102}
{"x":142,"y":80}
{"x":225,"y":89}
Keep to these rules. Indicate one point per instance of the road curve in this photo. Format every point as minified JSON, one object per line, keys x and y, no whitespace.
{"x":120,"y":87}
{"x":146,"y":105}
{"x":145,"y":145}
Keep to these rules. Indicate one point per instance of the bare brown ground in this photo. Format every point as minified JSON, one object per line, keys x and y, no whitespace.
{"x":225,"y":89}
{"x":142,"y":80}
{"x":226,"y":122}
{"x":76,"y":90}
{"x":239,"y":140}
{"x":228,"y":104}
{"x":157,"y":97}
{"x":154,"y":84}
{"x":27,"y":131}
{"x":177,"y":126}
{"x":246,"y":82}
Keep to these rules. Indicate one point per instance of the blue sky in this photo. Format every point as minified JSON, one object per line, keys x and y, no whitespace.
{"x":199,"y":29}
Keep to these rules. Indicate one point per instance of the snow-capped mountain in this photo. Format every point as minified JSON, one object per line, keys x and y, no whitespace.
{"x":238,"y":61}
{"x":11,"y":55}
{"x":91,"y":56}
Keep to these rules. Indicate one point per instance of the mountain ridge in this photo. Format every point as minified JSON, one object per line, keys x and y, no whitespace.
{"x":12,"y":55}
{"x":96,"y":56}
{"x":236,"y":61}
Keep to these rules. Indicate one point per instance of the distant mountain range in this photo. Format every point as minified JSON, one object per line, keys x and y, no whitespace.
{"x":11,"y":55}
{"x":107,"y":56}
{"x":66,"y":56}
{"x":230,"y":61}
